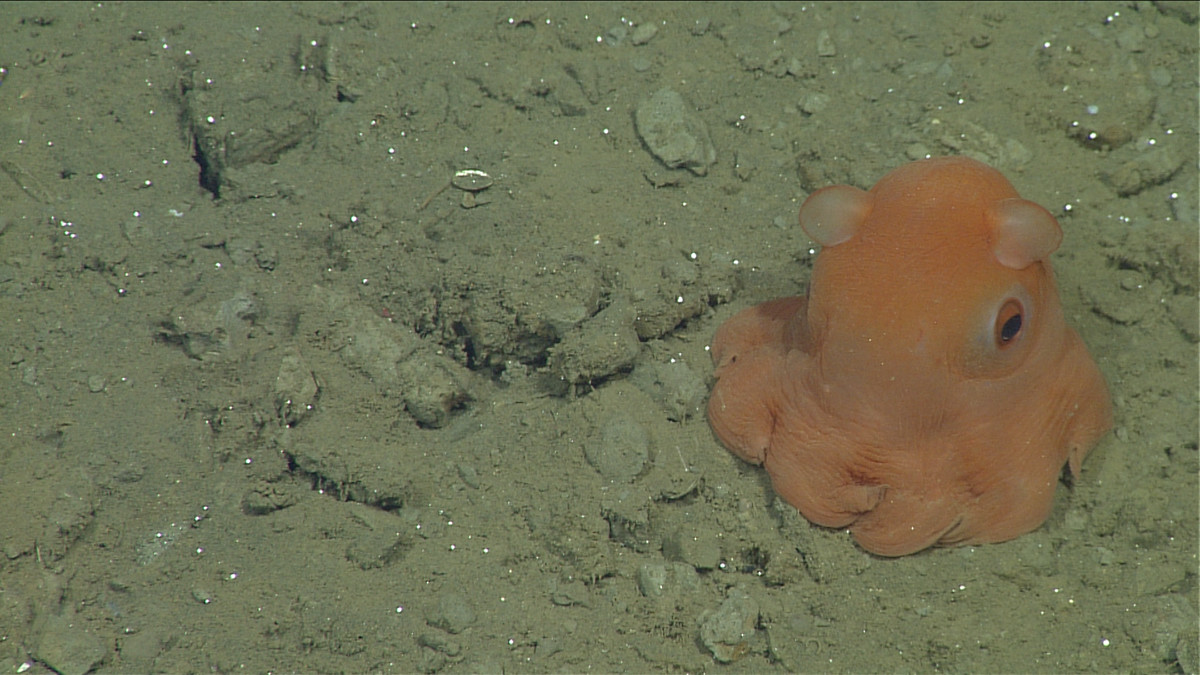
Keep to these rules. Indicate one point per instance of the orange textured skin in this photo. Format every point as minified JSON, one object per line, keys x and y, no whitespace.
{"x":894,"y":399}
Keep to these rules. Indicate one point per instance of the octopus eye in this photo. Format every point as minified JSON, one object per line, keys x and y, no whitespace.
{"x":1008,"y":322}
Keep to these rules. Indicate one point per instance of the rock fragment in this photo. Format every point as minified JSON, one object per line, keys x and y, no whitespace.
{"x":674,"y":134}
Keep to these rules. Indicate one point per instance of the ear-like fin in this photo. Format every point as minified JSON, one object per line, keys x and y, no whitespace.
{"x":1022,"y":233}
{"x":833,"y":214}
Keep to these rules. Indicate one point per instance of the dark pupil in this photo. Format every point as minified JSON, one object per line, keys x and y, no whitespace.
{"x":1010,"y":328}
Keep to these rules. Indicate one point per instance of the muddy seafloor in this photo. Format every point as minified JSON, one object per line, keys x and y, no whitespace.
{"x":285,"y":391}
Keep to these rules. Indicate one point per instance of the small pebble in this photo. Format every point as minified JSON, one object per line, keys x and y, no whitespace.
{"x":825,"y":46}
{"x":643,"y":33}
